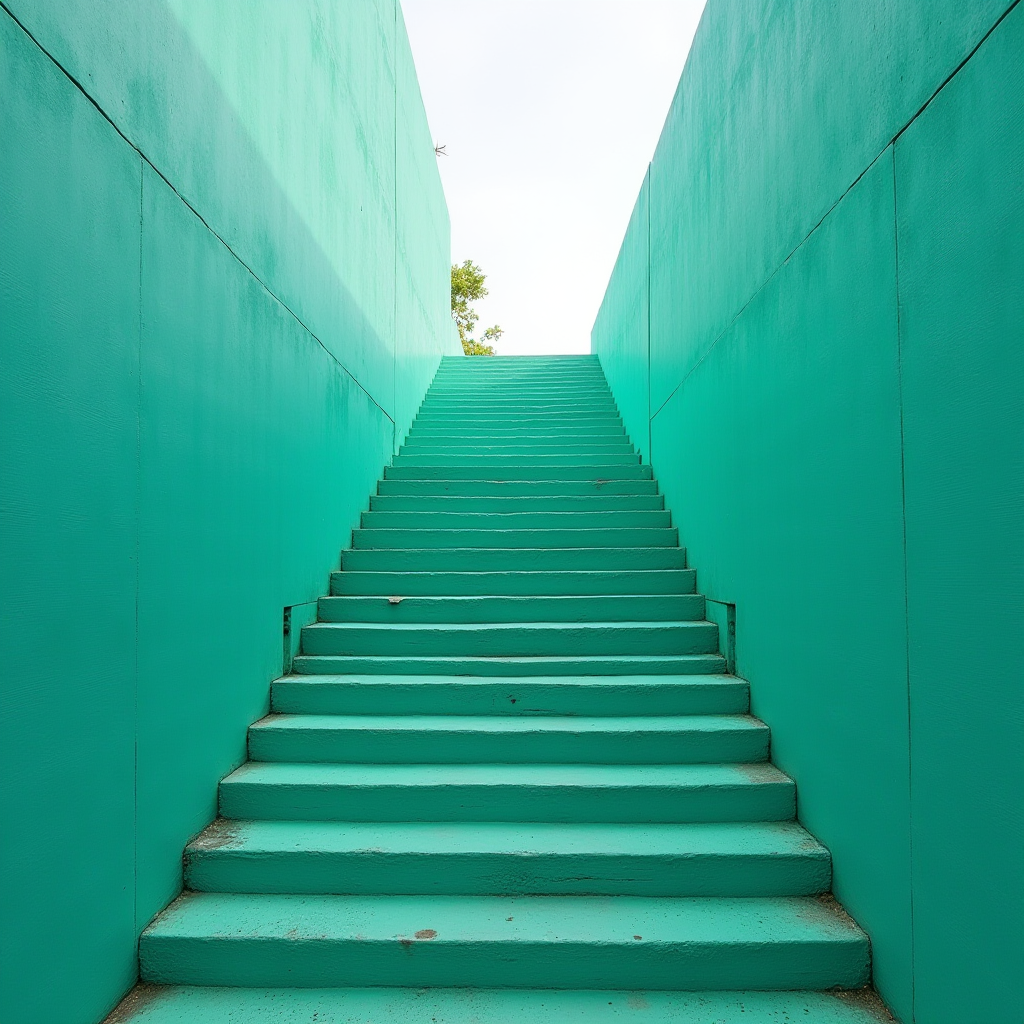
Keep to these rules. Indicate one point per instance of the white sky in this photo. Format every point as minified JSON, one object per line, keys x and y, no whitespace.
{"x":550,"y":111}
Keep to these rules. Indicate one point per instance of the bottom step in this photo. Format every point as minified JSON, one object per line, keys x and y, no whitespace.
{"x":153,"y":1004}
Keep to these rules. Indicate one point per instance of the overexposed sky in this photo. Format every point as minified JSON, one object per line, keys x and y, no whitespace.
{"x":549,"y":111}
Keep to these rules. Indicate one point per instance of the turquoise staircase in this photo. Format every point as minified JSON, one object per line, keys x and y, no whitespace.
{"x":510,"y":779}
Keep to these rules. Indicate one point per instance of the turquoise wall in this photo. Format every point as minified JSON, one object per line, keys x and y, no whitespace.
{"x":223,"y":291}
{"x":834,"y":218}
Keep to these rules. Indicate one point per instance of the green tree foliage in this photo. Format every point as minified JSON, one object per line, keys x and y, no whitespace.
{"x":468,"y":286}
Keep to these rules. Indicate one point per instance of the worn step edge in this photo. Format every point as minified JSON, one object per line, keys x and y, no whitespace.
{"x":569,"y":942}
{"x":510,"y":639}
{"x":469,"y":739}
{"x":501,"y":858}
{"x":510,"y":609}
{"x":514,"y":559}
{"x":535,"y":695}
{"x":680,"y":664}
{"x":511,"y":584}
{"x":507,"y":792}
{"x":156,"y":1004}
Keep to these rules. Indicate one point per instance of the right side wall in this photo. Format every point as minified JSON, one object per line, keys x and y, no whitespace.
{"x":815,"y":332}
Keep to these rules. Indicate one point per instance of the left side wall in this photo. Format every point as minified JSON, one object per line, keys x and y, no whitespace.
{"x":223,"y":291}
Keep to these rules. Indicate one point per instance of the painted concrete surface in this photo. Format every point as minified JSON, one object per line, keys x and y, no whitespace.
{"x":201,"y":383}
{"x":311,"y":111}
{"x":835,"y":420}
{"x":462,"y":1006}
{"x":960,"y":211}
{"x":617,"y":825}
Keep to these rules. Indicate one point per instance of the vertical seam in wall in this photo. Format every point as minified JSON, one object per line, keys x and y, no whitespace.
{"x":138,"y":572}
{"x":650,"y":437}
{"x":394,"y":208}
{"x":906,"y":584}
{"x":725,"y":330}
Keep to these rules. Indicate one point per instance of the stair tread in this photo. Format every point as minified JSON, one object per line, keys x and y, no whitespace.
{"x":546,"y":920}
{"x":480,"y":627}
{"x":510,"y":838}
{"x":603,"y":583}
{"x":510,"y":695}
{"x":507,"y":775}
{"x":507,"y":724}
{"x":511,"y":607}
{"x":504,"y":665}
{"x":212,"y":1005}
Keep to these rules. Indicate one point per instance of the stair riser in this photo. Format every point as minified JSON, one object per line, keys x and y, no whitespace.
{"x":650,"y":695}
{"x":513,"y":641}
{"x":603,"y":584}
{"x":455,"y":442}
{"x":368,"y":872}
{"x":564,"y":394}
{"x":588,"y":503}
{"x":496,"y":459}
{"x":548,"y":803}
{"x":467,"y":422}
{"x":696,"y":664}
{"x":508,"y":393}
{"x":512,"y":559}
{"x":483,"y":421}
{"x":315,"y":963}
{"x":622,"y":450}
{"x":405,"y":746}
{"x":640,"y":537}
{"x":539,"y":406}
{"x":659,"y":608}
{"x":565,"y":433}
{"x":500,"y":471}
{"x":515,"y":520}
{"x":517,"y":488}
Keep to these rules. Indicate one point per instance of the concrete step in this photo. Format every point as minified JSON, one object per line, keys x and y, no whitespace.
{"x":484,"y":739}
{"x":590,"y":608}
{"x":499,"y":430}
{"x":509,"y":395}
{"x":552,"y":665}
{"x":558,"y":390}
{"x":538,"y":503}
{"x":530,"y":941}
{"x":567,"y":537}
{"x":497,"y":459}
{"x":155,"y":1004}
{"x":514,"y":407}
{"x":509,"y":640}
{"x":512,"y":559}
{"x":460,"y":441}
{"x":565,"y":451}
{"x":497,"y":469}
{"x":507,"y":859}
{"x":530,"y":696}
{"x":517,"y":488}
{"x":532,"y":420}
{"x":484,"y":422}
{"x":451,"y":520}
{"x":558,"y":584}
{"x":507,"y":792}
